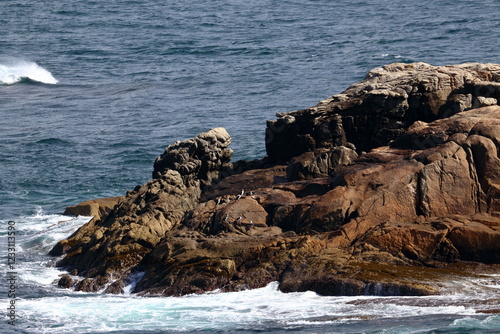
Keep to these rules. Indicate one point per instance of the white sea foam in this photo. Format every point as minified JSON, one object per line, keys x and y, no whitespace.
{"x":41,"y":223}
{"x":39,"y":274}
{"x":35,"y":236}
{"x":243,"y":310}
{"x":13,"y":71}
{"x":133,"y":279}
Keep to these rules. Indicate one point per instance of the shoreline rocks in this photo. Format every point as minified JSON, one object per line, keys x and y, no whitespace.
{"x":97,"y":208}
{"x":319,"y":213}
{"x":112,"y":245}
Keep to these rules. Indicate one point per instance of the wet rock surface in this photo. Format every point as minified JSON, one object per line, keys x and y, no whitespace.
{"x":390,"y":188}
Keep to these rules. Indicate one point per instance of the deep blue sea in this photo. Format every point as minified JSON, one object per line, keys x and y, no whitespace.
{"x":91,"y":92}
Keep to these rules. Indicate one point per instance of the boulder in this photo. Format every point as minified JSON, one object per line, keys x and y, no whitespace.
{"x":320,"y":163}
{"x":199,"y":158}
{"x":96,"y":208}
{"x":65,"y":281}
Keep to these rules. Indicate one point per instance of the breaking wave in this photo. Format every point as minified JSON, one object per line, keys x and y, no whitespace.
{"x":12,"y":72}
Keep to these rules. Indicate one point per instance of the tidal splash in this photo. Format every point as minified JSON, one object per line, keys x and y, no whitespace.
{"x":13,"y":71}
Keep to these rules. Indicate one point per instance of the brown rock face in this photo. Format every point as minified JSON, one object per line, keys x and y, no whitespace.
{"x":380,"y":108}
{"x":115,"y":244}
{"x":421,"y":205}
{"x":319,"y":163}
{"x":97,"y":208}
{"x":199,"y":158}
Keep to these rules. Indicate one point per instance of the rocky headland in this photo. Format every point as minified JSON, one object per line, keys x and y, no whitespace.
{"x":389,"y":188}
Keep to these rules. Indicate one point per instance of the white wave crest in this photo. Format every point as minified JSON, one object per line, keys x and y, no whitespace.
{"x":12,"y":72}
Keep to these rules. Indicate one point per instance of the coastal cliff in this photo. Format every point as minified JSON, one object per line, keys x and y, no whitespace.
{"x":389,"y":188}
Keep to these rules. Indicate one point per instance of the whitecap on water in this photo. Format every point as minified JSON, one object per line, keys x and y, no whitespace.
{"x":132,"y":280}
{"x":14,"y":71}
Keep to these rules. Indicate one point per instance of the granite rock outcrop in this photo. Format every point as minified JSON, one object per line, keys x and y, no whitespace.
{"x":371,"y":113}
{"x":389,"y":188}
{"x":111,"y":246}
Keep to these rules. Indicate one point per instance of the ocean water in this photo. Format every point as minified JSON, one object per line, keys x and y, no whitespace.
{"x":91,"y":92}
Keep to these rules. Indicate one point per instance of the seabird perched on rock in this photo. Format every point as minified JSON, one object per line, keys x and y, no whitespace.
{"x":239,"y":196}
